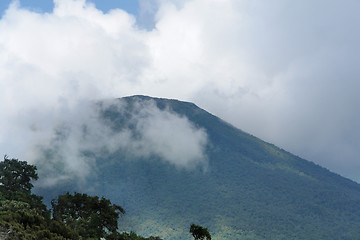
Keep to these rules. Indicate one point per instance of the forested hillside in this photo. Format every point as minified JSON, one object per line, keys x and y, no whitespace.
{"x":240,"y":187}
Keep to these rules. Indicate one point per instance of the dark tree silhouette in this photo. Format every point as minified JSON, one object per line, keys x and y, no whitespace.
{"x":199,"y":233}
{"x":15,"y":182}
{"x":16,"y":175}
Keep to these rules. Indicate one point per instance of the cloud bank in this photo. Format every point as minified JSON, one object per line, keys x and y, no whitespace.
{"x":69,"y":149}
{"x":284,"y":71}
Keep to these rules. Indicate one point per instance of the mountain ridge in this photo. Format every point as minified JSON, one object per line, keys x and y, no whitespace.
{"x":250,"y":189}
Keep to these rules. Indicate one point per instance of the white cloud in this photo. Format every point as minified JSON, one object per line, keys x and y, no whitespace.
{"x":284,"y":71}
{"x":79,"y":136}
{"x":165,"y":134}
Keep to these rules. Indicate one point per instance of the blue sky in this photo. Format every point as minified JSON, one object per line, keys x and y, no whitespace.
{"x":131,"y":6}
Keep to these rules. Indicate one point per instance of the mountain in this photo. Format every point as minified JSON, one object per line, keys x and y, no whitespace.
{"x":239,"y":187}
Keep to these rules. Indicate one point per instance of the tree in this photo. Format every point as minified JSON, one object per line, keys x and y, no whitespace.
{"x":16,"y":176}
{"x":19,"y":221}
{"x":22,"y":214}
{"x":199,"y":233}
{"x":129,"y":236}
{"x":91,"y":217}
{"x":15,"y":182}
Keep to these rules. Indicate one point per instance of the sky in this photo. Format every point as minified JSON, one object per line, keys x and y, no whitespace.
{"x":42,"y":6}
{"x":284,"y":71}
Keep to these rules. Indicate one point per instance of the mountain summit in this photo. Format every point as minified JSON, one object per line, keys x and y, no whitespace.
{"x":173,"y":164}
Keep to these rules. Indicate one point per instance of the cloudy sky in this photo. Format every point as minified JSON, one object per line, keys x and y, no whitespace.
{"x":284,"y":71}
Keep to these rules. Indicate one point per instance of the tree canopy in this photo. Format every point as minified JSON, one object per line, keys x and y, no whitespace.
{"x":23,"y":214}
{"x":199,"y":233}
{"x":16,"y":176}
{"x":91,"y":217}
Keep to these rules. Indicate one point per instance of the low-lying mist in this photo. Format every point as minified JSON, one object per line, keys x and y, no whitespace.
{"x":68,"y":149}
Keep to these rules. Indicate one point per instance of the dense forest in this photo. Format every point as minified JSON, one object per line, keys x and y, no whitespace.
{"x":24,"y":216}
{"x":246,"y":188}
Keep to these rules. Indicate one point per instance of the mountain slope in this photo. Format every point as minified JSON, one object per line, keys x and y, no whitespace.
{"x":244,"y":188}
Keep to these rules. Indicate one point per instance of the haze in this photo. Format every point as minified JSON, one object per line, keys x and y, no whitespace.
{"x":284,"y":71}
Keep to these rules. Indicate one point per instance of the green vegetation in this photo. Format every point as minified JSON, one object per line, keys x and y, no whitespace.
{"x":91,"y":217}
{"x":24,"y":217}
{"x":15,"y":177}
{"x":20,"y":221}
{"x":249,"y":189}
{"x":129,"y":236}
{"x":22,"y":214}
{"x":15,"y":183}
{"x":199,"y":233}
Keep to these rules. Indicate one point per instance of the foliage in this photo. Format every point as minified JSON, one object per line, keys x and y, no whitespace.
{"x":249,"y":190}
{"x":23,"y":222}
{"x":199,"y":233}
{"x":15,"y":177}
{"x":15,"y":183}
{"x":22,"y":214}
{"x":129,"y":236}
{"x":91,"y":217}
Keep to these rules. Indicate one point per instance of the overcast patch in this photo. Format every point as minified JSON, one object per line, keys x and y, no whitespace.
{"x":285,"y":71}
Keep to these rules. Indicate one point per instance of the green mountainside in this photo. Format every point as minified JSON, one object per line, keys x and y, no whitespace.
{"x":249,"y":189}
